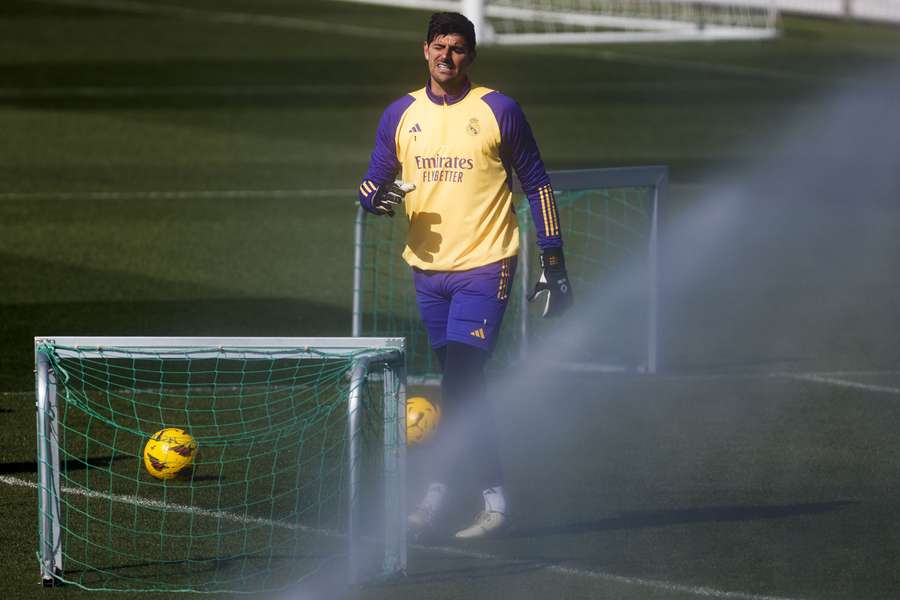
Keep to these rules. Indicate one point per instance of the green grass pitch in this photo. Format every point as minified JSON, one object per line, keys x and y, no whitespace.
{"x":167,"y":173}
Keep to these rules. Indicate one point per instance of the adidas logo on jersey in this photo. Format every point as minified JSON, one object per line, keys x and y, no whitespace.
{"x":415,"y":129}
{"x":479,"y":333}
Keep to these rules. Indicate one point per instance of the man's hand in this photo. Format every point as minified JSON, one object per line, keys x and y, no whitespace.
{"x":554,"y":282}
{"x":389,"y":196}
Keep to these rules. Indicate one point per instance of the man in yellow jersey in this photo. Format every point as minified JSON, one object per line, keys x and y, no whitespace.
{"x":446,"y":154}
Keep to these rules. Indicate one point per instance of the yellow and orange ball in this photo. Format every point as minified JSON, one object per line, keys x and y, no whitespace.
{"x":169,"y":452}
{"x":422,"y":418}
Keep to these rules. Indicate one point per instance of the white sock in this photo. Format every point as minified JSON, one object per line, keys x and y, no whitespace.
{"x":434,"y":497}
{"x":494,"y":500}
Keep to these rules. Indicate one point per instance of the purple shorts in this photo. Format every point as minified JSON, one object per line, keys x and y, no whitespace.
{"x":464,"y":306}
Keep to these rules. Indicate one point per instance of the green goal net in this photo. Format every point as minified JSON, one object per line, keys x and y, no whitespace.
{"x":288,"y":441}
{"x":608,"y":219}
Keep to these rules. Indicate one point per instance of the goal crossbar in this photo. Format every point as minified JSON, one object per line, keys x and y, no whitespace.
{"x":213,"y":347}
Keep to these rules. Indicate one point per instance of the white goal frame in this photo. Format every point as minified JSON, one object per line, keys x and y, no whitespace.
{"x":656,"y":179}
{"x":618,"y":28}
{"x":386,"y":354}
{"x":653,"y":178}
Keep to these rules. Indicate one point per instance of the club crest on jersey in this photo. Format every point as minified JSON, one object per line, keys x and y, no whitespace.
{"x":474,"y":127}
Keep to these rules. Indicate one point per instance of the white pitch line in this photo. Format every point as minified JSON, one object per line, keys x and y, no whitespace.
{"x":95,"y":91}
{"x":666,"y":586}
{"x":857,"y":373}
{"x":310,"y":89}
{"x":701,"y":591}
{"x":179,"y":194}
{"x":846,"y":383}
{"x":172,"y":507}
{"x":238,"y":18}
{"x":827,"y":377}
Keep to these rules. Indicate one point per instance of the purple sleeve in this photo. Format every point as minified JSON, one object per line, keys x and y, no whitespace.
{"x":383,"y":165}
{"x":519,"y":151}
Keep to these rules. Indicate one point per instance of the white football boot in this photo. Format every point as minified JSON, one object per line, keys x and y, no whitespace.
{"x":422,"y":519}
{"x":487,"y":523}
{"x":491,"y":520}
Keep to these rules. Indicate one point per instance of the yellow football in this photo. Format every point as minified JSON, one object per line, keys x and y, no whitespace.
{"x":422,"y":418}
{"x":169,"y":452}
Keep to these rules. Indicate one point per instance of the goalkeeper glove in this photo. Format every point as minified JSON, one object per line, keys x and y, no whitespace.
{"x":389,"y":196}
{"x":554,"y":282}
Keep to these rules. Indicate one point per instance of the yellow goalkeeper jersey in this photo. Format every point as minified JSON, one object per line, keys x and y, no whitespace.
{"x":460,"y":153}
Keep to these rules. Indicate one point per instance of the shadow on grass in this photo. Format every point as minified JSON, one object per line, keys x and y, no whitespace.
{"x":662,"y":518}
{"x":13,"y":9}
{"x":254,"y":317}
{"x":71,"y":464}
{"x":200,"y":564}
{"x":121,"y":310}
{"x":476,"y":569}
{"x":216,"y":83}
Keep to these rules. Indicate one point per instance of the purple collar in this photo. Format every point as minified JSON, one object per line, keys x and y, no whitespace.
{"x":448,"y":99}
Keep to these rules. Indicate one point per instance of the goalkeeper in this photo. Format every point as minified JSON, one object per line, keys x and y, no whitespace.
{"x":444,"y":155}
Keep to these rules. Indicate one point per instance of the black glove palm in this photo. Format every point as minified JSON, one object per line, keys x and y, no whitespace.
{"x":389,"y":196}
{"x":554,"y":282}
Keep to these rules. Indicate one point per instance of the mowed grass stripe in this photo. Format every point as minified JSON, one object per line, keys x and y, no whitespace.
{"x":177,"y":194}
{"x":331,"y":27}
{"x":193,"y":91}
{"x":682,"y":64}
{"x":315,"y":89}
{"x":835,"y":378}
{"x":239,"y":18}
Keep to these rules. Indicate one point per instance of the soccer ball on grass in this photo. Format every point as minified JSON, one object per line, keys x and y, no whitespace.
{"x":169,"y":452}
{"x":422,"y":418}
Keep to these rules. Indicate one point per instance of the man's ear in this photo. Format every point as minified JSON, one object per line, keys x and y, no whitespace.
{"x":425,"y":51}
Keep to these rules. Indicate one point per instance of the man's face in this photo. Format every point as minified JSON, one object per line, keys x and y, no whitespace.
{"x":448,"y":59}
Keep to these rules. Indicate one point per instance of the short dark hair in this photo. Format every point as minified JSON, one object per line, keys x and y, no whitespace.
{"x":445,"y":23}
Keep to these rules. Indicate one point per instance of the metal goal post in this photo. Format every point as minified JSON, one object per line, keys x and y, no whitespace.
{"x":380,"y":360}
{"x":607,"y":216}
